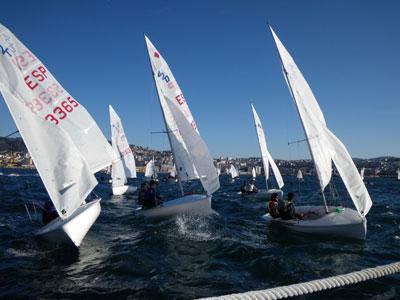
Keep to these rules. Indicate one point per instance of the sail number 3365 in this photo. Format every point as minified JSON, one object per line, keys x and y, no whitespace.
{"x":61,"y":112}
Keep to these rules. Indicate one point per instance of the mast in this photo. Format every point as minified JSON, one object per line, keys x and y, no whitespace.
{"x":165,"y":123}
{"x":302,"y":123}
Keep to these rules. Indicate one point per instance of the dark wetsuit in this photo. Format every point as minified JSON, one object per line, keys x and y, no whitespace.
{"x":151,"y":198}
{"x":49,"y":212}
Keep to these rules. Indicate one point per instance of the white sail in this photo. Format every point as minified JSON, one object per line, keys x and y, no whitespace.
{"x":398,"y":174}
{"x":265,"y":155}
{"x":169,"y":91}
{"x":253,"y":173}
{"x":324,"y":145}
{"x":121,"y":146}
{"x":299,"y":175}
{"x":118,"y":174}
{"x":218,"y":171}
{"x":197,"y":149}
{"x":310,"y":113}
{"x":25,"y":77}
{"x":362,"y":173}
{"x":64,"y":172}
{"x":150,"y":169}
{"x":234,"y":173}
{"x":349,"y":174}
{"x":172,"y":173}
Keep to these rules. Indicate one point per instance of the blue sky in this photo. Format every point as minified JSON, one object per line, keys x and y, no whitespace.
{"x":223,"y":57}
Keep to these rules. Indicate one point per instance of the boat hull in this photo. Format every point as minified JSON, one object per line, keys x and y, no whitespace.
{"x":125,"y":189}
{"x":190,"y":204}
{"x":263,"y":194}
{"x":339,"y":222}
{"x":72,"y":230}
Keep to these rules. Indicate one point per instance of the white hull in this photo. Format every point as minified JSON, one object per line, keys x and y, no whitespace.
{"x":263,"y":194}
{"x":125,"y":189}
{"x":190,"y":204}
{"x":345,"y":222}
{"x":73,"y":229}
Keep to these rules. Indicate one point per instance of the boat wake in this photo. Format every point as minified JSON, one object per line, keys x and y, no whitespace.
{"x":195,"y":228}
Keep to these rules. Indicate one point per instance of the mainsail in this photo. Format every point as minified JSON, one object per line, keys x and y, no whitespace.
{"x":168,"y":90}
{"x":65,"y":143}
{"x":64,"y":172}
{"x":25,"y":77}
{"x":324,"y":145}
{"x":310,"y":114}
{"x":265,"y":155}
{"x":191,"y":155}
{"x":125,"y":165}
{"x":234,"y":173}
{"x":253,"y":172}
{"x":151,"y":169}
{"x":299,"y":175}
{"x":362,"y":171}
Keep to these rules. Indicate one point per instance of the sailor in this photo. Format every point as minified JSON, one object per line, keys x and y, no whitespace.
{"x":250,"y":187}
{"x":143,"y":188}
{"x":287,"y":209}
{"x":49,"y":212}
{"x":273,"y":206}
{"x":151,"y":197}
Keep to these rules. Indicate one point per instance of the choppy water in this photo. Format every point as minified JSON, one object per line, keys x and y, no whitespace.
{"x":233,"y":251}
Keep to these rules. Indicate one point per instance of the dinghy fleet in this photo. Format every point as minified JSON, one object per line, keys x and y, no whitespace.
{"x":68,"y":148}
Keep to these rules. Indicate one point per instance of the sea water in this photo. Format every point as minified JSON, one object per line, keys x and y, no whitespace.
{"x":128,"y":257}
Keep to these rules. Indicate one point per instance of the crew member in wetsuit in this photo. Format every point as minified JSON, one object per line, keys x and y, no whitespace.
{"x":49,"y":212}
{"x":143,"y":189}
{"x":273,"y":206}
{"x":152,"y":198}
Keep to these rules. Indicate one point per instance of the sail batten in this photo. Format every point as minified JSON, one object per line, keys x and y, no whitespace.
{"x":265,"y":155}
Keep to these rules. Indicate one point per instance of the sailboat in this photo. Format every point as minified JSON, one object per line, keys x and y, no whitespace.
{"x":62,"y":138}
{"x":218,"y":171}
{"x":266,"y":160}
{"x":299,"y":176}
{"x":233,"y":172}
{"x":124,"y":166}
{"x":171,"y":176}
{"x":253,"y":173}
{"x":151,"y":171}
{"x":324,"y":147}
{"x":398,"y":174}
{"x":190,"y":153}
{"x":362,"y":173}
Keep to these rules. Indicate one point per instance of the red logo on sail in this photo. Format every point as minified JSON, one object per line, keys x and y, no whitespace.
{"x":156,"y":55}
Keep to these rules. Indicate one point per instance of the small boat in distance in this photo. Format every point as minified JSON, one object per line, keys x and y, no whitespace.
{"x":362,"y":170}
{"x":64,"y":141}
{"x":171,"y":176}
{"x":190,"y":153}
{"x":299,"y":176}
{"x":398,"y":175}
{"x":124,"y":166}
{"x":151,"y":171}
{"x":233,"y":172}
{"x":253,"y":173}
{"x":324,"y":148}
{"x":266,"y":160}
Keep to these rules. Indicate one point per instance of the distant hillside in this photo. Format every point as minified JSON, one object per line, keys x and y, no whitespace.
{"x":12,"y":144}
